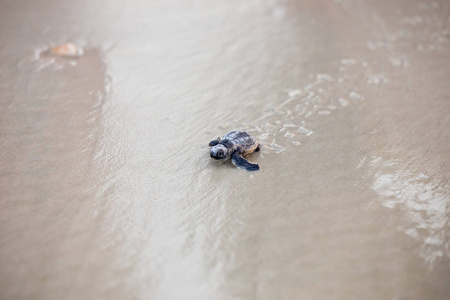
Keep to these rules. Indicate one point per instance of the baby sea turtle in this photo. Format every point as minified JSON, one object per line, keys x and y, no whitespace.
{"x":235,"y":144}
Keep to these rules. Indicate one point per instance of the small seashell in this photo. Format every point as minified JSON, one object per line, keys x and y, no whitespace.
{"x":348,"y":61}
{"x":324,"y":112}
{"x":356,"y":96}
{"x":305,"y":131}
{"x":67,"y":50}
{"x":289,"y":135}
{"x":274,"y":147}
{"x":343,"y":102}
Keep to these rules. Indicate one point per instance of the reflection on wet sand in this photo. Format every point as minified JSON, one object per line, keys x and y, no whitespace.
{"x":52,"y":129}
{"x":108,"y":190}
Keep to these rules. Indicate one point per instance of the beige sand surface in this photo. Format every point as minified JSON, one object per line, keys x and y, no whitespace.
{"x":107,"y":190}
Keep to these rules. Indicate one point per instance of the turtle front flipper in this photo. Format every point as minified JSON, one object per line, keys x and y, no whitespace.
{"x":215,"y":142}
{"x":242,"y":163}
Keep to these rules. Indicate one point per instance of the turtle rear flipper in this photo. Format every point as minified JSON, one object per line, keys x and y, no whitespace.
{"x":242,"y":163}
{"x":213,"y":143}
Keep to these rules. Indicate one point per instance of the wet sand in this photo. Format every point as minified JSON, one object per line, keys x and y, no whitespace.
{"x":108,"y":192}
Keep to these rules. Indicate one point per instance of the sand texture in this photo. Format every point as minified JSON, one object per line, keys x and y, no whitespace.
{"x":107,"y":190}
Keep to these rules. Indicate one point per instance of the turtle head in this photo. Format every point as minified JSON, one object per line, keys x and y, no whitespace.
{"x":219,"y":152}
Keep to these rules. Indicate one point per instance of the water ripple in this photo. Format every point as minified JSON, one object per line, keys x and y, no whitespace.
{"x":425,"y":200}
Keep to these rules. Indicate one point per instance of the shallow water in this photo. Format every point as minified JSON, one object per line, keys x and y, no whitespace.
{"x":107,"y":189}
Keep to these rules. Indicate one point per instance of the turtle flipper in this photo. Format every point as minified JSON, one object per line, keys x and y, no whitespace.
{"x":242,"y":163}
{"x":215,"y":142}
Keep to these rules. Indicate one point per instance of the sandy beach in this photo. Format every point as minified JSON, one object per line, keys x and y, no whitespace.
{"x":107,"y":189}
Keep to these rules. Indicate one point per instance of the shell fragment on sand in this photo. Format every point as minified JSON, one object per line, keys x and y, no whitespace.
{"x":67,"y":50}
